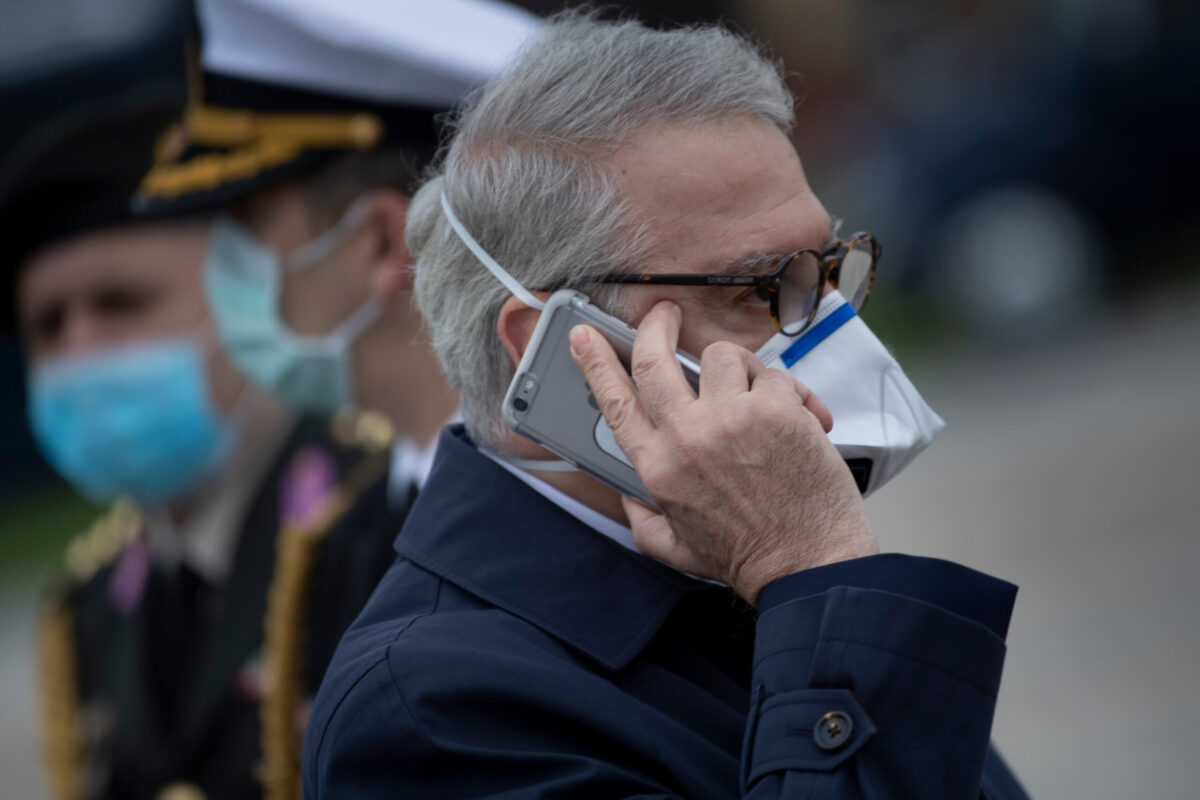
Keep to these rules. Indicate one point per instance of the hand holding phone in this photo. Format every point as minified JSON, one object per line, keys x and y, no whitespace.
{"x":549,"y":401}
{"x":748,"y":484}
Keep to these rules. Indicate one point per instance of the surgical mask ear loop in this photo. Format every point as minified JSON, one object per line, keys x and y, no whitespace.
{"x":239,"y":413}
{"x":323,"y":246}
{"x":358,"y":321}
{"x":330,"y":240}
{"x":512,"y":284}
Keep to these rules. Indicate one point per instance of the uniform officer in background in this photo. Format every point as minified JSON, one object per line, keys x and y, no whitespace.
{"x":307,"y":129}
{"x":196,"y":621}
{"x":145,"y":641}
{"x":307,"y":126}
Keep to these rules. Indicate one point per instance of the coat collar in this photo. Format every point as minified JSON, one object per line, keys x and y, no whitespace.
{"x":484,"y":530}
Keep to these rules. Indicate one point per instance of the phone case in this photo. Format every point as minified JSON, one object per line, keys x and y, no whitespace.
{"x":549,"y":402}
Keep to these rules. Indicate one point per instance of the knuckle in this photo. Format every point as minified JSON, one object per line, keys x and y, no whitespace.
{"x":781,"y":406}
{"x":656,"y":476}
{"x":800,"y":387}
{"x":721,"y":352}
{"x":772,"y":411}
{"x":730,"y":425}
{"x":589,"y":361}
{"x":780,"y":384}
{"x":644,"y":365}
{"x":775,"y":378}
{"x":616,"y":405}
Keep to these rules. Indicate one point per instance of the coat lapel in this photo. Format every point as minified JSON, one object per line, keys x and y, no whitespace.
{"x":228,"y":644}
{"x":236,"y":638}
{"x":237,"y":631}
{"x":145,"y":737}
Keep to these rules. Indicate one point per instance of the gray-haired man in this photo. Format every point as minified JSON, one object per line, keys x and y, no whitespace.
{"x":522,"y":646}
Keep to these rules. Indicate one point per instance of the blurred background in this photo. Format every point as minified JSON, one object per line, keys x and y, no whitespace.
{"x":1030,"y":168}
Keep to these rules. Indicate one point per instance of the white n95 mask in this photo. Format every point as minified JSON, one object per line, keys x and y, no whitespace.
{"x":880,"y":421}
{"x":242,"y":279}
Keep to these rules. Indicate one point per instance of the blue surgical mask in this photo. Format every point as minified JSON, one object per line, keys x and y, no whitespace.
{"x":135,"y":421}
{"x":243,"y":280}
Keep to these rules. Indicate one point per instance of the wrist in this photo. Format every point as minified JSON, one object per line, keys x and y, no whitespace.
{"x":754,"y":576}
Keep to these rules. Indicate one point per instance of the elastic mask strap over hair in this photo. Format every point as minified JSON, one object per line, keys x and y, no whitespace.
{"x":330,"y":240}
{"x":510,"y":283}
{"x":521,"y":293}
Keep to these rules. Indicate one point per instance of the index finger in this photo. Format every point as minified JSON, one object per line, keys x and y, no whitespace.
{"x":612,"y":388}
{"x":661,"y":384}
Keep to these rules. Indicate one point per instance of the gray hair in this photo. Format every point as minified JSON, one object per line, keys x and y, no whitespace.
{"x":527,"y":174}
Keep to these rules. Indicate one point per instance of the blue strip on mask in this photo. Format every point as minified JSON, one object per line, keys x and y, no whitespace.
{"x":817,"y":334}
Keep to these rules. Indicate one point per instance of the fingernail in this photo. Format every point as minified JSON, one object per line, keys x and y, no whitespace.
{"x":580,"y":338}
{"x":674,"y":308}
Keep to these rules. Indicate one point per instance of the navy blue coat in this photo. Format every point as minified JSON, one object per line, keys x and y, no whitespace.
{"x":512,"y":651}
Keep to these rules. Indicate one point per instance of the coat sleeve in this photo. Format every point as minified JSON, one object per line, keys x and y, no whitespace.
{"x":875,"y":678}
{"x":904,"y":655}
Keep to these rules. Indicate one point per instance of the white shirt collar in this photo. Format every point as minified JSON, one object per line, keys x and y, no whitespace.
{"x":588,"y":516}
{"x":619,"y":533}
{"x":411,"y":464}
{"x":207,"y":540}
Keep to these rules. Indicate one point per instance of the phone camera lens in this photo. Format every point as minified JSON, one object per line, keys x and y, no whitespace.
{"x":519,"y":404}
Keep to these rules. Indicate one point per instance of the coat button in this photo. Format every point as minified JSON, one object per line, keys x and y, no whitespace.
{"x":833,"y":731}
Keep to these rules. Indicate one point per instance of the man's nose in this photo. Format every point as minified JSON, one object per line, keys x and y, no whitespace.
{"x":82,"y":332}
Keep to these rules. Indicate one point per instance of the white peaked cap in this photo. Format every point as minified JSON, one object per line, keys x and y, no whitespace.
{"x":412,"y":52}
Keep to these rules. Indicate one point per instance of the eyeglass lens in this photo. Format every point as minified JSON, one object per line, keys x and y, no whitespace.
{"x":798,"y":292}
{"x":800,"y":286}
{"x":855,"y":276}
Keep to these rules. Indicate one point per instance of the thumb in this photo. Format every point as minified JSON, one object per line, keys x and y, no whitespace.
{"x":654,"y":537}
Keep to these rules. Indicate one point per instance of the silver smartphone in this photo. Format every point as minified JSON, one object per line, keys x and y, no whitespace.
{"x":549,"y":402}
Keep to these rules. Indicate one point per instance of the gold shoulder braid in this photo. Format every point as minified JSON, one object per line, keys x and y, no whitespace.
{"x":62,"y":740}
{"x":288,"y":604}
{"x":101,"y":543}
{"x":58,"y":684}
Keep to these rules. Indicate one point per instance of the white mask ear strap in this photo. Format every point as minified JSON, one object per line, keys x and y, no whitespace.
{"x":361,"y":319}
{"x":330,"y":240}
{"x":535,"y":465}
{"x":510,"y":283}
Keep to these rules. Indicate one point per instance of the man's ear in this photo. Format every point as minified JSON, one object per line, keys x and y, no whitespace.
{"x":516,"y":324}
{"x":389,"y":261}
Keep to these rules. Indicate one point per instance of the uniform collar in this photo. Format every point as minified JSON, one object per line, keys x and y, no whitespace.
{"x":207,"y":541}
{"x":481,"y":528}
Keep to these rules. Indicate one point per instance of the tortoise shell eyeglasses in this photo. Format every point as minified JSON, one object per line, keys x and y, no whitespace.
{"x":795,"y":286}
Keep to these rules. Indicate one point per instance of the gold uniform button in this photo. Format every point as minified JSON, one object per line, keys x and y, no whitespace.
{"x":364,"y":130}
{"x":181,"y":790}
{"x":374,"y":431}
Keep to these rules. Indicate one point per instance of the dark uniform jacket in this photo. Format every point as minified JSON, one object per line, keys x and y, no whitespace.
{"x":513,"y":651}
{"x":185,"y":690}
